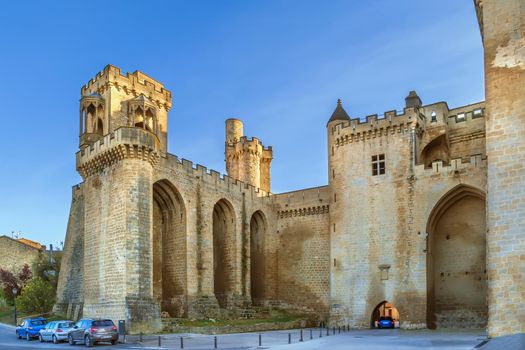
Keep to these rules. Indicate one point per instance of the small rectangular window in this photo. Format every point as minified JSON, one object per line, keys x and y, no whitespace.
{"x":378,"y":164}
{"x":477,"y":113}
{"x":460,"y":117}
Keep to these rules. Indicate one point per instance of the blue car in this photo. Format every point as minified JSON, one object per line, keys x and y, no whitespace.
{"x":385,"y":322}
{"x":30,"y":328}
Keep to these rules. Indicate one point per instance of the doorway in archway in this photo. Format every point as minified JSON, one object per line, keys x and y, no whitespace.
{"x":385,"y":315}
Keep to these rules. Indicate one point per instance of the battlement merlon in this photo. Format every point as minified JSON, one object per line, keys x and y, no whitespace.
{"x":419,"y":117}
{"x":125,"y":142}
{"x":247,"y":144}
{"x":137,"y":82}
{"x":455,"y":166}
{"x":212,"y":177}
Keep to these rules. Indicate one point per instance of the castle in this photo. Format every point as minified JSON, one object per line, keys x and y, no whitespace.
{"x":422,"y":218}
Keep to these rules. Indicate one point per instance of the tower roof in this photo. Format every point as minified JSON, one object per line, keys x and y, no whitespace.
{"x":412,"y":100}
{"x":339,"y":113}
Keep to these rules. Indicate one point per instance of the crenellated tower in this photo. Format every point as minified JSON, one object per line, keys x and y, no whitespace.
{"x":123,"y":133}
{"x":247,"y":160}
{"x":112,"y":100}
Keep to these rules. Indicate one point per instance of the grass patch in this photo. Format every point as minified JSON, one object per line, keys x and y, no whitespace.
{"x":7,"y":315}
{"x":276,"y":316}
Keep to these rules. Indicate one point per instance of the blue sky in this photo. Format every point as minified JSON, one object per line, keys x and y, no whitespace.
{"x":278,"y":65}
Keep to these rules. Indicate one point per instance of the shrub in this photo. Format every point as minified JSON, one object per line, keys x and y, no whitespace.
{"x":3,"y":300}
{"x":8,"y":281}
{"x":47,"y":268}
{"x":37,"y":297}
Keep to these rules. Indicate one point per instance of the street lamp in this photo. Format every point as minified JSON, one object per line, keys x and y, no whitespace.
{"x":15,"y":290}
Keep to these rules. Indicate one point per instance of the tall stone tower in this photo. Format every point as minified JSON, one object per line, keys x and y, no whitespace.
{"x":502,"y":25}
{"x":247,"y":160}
{"x":123,"y":131}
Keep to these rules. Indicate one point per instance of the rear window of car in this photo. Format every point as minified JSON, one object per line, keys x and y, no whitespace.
{"x":104,"y":323}
{"x":385,"y":318}
{"x":38,"y":322}
{"x":66,"y":325}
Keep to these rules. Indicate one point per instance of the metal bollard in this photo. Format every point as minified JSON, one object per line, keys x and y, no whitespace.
{"x":140,"y":337}
{"x":348,"y":326}
{"x":301,"y":339}
{"x":160,"y":343}
{"x":339,"y":329}
{"x":181,"y":342}
{"x":124,"y":338}
{"x":320,"y":332}
{"x":333,"y":330}
{"x":289,"y":338}
{"x":215,"y":342}
{"x":260,"y":339}
{"x":311,"y":334}
{"x":327,"y":331}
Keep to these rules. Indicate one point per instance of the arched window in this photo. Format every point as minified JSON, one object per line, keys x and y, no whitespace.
{"x":150,"y":118}
{"x":139,"y":117}
{"x":99,"y":127}
{"x":433,"y":117}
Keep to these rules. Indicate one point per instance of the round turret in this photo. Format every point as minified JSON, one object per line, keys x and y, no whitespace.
{"x":234,"y":130}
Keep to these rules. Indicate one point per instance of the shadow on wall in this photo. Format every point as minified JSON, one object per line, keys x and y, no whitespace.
{"x":456,"y":271}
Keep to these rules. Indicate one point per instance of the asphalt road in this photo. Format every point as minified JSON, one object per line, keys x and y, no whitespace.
{"x":278,"y":340}
{"x":8,"y":340}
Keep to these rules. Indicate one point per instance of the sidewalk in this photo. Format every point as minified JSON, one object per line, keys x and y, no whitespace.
{"x":354,"y":339}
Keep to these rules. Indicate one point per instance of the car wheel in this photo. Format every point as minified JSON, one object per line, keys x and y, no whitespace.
{"x":18,"y":335}
{"x":70,"y":340}
{"x":40,"y":338}
{"x":28,"y":338}
{"x":87,"y":342}
{"x":55,"y":340}
{"x":114,"y":342}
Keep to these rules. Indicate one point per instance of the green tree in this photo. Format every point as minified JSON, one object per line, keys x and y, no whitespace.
{"x":37,"y":297}
{"x":47,"y":268}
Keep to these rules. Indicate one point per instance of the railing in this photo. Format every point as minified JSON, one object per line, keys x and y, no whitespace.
{"x":240,"y":340}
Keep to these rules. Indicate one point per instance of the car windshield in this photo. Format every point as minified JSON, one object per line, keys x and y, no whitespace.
{"x":66,"y":325}
{"x":38,"y":322}
{"x":385,"y":318}
{"x":104,"y":323}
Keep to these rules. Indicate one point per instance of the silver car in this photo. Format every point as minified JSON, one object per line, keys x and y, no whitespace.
{"x":56,"y":331}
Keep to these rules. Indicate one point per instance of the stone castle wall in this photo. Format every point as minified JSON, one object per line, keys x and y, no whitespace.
{"x":303,"y":250}
{"x":70,"y":290}
{"x":156,"y":233}
{"x":503,"y":28}
{"x":14,"y":254}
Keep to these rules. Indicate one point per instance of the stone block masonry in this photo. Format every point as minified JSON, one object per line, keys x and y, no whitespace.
{"x":503,"y":29}
{"x":399,"y":230}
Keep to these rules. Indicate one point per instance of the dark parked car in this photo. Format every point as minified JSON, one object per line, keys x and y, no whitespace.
{"x":91,"y":331}
{"x":30,"y":328}
{"x":385,"y":322}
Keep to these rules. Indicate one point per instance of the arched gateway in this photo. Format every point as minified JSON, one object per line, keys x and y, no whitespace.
{"x":456,"y":270}
{"x":169,"y":249}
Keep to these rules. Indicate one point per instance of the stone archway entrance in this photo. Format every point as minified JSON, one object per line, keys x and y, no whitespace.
{"x":456,"y":267}
{"x":169,"y":249}
{"x":258,"y":227}
{"x":223,"y":252}
{"x":382,"y":310}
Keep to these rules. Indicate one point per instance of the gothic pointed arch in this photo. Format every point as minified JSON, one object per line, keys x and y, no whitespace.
{"x":456,"y":255}
{"x":258,"y":228}
{"x":169,"y":249}
{"x":223,"y":251}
